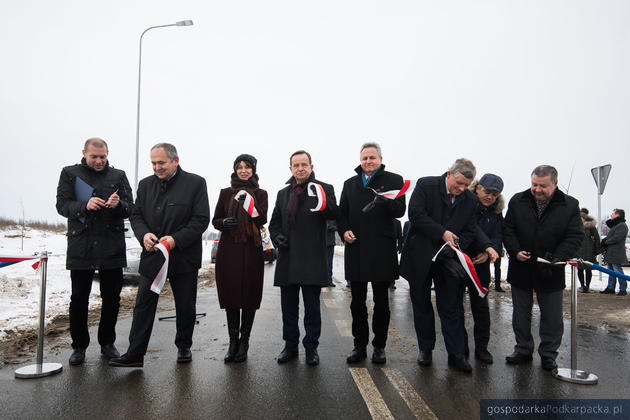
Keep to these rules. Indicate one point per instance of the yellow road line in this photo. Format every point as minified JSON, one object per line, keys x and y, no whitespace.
{"x":415,"y":403}
{"x":373,"y":399}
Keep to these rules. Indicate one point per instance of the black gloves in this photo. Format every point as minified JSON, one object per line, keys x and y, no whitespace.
{"x":229,"y":223}
{"x":241,"y":197}
{"x":281,"y":241}
{"x":378,"y":200}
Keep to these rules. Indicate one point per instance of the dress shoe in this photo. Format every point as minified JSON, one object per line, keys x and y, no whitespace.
{"x":607,"y":291}
{"x":459,"y":362}
{"x":127,"y":360}
{"x":584,"y":289}
{"x":184,"y":355}
{"x":549,"y":363}
{"x":518,"y":358}
{"x":425,"y":357}
{"x":482,"y":354}
{"x":499,"y":289}
{"x":330,"y":285}
{"x":77,"y":357}
{"x":109,"y":351}
{"x":288,"y":353}
{"x":312,"y":358}
{"x":357,"y":355}
{"x":378,"y":356}
{"x":622,"y":293}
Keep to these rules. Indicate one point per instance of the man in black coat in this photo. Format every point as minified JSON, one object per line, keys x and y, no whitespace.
{"x":540,"y":223}
{"x":96,"y":198}
{"x":441,"y":209}
{"x":171,"y":206}
{"x":370,"y":253}
{"x":298,"y":231}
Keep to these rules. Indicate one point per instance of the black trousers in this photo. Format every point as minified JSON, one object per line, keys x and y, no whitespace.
{"x":479,"y":308}
{"x":290,"y":303}
{"x":448,"y":298}
{"x":589,"y":275}
{"x":497,"y":273}
{"x":184,"y":286}
{"x":380,"y":318}
{"x":110,"y":284}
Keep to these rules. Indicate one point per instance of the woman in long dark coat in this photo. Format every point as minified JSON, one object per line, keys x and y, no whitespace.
{"x":240,"y":266}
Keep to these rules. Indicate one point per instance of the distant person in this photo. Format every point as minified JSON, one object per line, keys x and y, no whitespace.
{"x":588,"y":250}
{"x":96,"y":198}
{"x":171,"y":206}
{"x":441,"y":209}
{"x":497,"y":272}
{"x":298,"y":230}
{"x":398,"y":236}
{"x":331,"y":228}
{"x":370,"y":256}
{"x":269,"y":252}
{"x":615,"y":254}
{"x":240,"y":266}
{"x":541,"y":222}
{"x":484,"y":252}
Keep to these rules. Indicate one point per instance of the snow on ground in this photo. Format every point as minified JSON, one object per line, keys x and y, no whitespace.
{"x":20,"y":283}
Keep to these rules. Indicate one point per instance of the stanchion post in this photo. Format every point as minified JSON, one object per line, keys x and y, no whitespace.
{"x":40,"y":369}
{"x":572,"y":374}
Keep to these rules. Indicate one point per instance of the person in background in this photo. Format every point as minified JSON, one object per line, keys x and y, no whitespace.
{"x":588,"y":249}
{"x":615,"y":256}
{"x":497,"y":272}
{"x":95,"y":198}
{"x":240,"y":266}
{"x":331,"y":228}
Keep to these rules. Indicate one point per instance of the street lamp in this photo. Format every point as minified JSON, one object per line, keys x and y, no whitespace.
{"x":180,"y":23}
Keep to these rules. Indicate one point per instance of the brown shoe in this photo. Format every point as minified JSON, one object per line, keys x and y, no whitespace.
{"x":482,"y":354}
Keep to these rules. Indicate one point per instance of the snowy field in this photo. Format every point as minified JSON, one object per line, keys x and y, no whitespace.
{"x":20,"y":283}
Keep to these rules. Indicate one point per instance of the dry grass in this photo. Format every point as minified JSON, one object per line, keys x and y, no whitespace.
{"x":6,"y":223}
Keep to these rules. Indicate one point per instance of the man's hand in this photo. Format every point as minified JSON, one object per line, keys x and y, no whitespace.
{"x":449,"y":236}
{"x":523,"y":256}
{"x":113,"y":200}
{"x":169,"y":239}
{"x":149,"y":241}
{"x":349,"y":237}
{"x":95,"y":203}
{"x":480,"y":258}
{"x":492,"y":254}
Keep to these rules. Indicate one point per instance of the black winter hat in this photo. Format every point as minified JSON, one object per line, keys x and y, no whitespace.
{"x":246,"y":158}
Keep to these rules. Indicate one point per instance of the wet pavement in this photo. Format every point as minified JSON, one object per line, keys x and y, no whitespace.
{"x":260,"y":388}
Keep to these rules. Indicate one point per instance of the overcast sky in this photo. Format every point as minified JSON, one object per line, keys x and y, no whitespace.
{"x":507,"y":84}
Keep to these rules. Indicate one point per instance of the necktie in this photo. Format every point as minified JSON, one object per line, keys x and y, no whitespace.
{"x":450,"y":199}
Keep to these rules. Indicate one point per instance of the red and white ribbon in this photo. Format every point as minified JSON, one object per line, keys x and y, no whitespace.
{"x":248,"y":204}
{"x":393,"y":194}
{"x":6,"y":260}
{"x":160,"y":279}
{"x":469,"y":267}
{"x":321,"y":195}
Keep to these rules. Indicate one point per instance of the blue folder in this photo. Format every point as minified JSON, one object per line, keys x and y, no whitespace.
{"x":82,"y":192}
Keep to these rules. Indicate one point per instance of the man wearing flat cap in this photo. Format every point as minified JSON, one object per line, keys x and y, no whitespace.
{"x":485,"y":251}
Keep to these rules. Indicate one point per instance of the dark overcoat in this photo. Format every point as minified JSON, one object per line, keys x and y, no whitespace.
{"x":373,"y":257}
{"x":430,"y":215}
{"x":305,"y":260}
{"x":558,"y":233}
{"x":177,"y":207}
{"x":96,"y":238}
{"x":615,"y":241}
{"x":240,"y":267}
{"x":591,"y":242}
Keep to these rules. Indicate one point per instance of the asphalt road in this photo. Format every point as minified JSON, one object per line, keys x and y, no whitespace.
{"x":260,"y":388}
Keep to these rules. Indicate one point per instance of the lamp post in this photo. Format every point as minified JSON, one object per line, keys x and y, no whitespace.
{"x":180,"y":23}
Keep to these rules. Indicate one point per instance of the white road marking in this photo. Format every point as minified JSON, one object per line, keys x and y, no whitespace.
{"x":344,"y":326}
{"x":415,"y":403}
{"x":373,"y":399}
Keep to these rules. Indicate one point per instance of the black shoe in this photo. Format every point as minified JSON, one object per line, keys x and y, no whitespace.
{"x":287,"y":354}
{"x":184,"y":355}
{"x":392,"y":286}
{"x":330,"y":285}
{"x":482,"y":354}
{"x":584,"y":289}
{"x":459,"y":362}
{"x":378,"y":356}
{"x":127,"y":360}
{"x":312,"y":358}
{"x":607,"y":291}
{"x":425,"y":357}
{"x":109,"y":351}
{"x":549,"y":364}
{"x":77,"y":357}
{"x":232,"y":350}
{"x":622,"y":293}
{"x":357,"y":355}
{"x":243,"y":346}
{"x":499,"y":289}
{"x":518,"y":358}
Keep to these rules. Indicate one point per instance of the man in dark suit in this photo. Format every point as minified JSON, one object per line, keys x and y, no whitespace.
{"x":172,"y":206}
{"x":370,"y":253}
{"x":298,"y":230}
{"x":441,"y":209}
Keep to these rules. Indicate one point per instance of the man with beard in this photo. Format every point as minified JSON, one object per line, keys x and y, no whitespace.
{"x":96,"y":198}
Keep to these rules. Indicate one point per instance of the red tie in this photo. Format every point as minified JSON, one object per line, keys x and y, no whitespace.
{"x":450,"y":199}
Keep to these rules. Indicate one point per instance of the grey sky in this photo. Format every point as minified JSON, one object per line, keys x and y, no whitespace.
{"x":508,"y":84}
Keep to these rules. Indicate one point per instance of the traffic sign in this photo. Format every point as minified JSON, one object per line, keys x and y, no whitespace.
{"x":600,"y":175}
